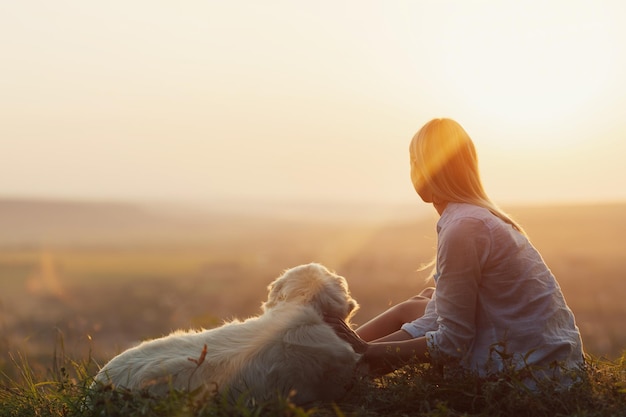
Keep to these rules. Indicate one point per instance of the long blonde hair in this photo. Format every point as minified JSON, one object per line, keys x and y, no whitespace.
{"x":443,"y":158}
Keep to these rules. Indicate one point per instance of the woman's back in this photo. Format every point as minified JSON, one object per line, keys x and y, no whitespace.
{"x":487,"y":266}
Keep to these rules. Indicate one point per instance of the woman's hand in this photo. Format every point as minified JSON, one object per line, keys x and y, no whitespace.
{"x":345,"y":333}
{"x":383,"y":355}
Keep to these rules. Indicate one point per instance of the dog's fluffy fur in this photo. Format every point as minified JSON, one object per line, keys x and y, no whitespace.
{"x":287,"y":349}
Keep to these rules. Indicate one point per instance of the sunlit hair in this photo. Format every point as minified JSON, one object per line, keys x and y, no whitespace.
{"x":444,"y":159}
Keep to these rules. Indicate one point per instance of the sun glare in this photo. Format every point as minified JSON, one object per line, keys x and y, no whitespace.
{"x":530,"y":75}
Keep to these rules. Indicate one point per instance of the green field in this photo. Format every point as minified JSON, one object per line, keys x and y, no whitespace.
{"x":94,"y":299}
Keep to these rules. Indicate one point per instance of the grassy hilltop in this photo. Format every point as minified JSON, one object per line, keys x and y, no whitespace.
{"x":79,"y":282}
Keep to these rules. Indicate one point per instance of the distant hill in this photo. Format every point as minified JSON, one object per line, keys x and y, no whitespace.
{"x":577,"y":225}
{"x":33,"y":222}
{"x":44,"y":222}
{"x":29,"y":222}
{"x":40,"y":222}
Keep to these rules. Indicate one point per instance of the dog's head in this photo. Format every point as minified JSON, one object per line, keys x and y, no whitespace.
{"x":313,"y":285}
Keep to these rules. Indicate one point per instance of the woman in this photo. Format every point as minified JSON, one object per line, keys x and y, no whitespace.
{"x":495,"y":302}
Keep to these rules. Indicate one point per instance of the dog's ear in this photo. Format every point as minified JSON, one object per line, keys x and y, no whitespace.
{"x":353,"y":306}
{"x":275,"y":294}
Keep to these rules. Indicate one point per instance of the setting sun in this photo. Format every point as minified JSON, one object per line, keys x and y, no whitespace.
{"x":523,"y":67}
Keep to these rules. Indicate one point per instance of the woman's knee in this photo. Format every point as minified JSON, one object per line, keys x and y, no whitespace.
{"x":411,"y":309}
{"x":425,"y":293}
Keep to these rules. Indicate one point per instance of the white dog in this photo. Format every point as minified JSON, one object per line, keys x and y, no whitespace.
{"x":287,"y":350}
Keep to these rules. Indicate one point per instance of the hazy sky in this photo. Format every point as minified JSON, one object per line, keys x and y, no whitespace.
{"x":316,"y":100}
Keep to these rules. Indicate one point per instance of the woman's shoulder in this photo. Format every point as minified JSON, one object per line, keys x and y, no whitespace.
{"x":461,"y":211}
{"x":461,"y":215}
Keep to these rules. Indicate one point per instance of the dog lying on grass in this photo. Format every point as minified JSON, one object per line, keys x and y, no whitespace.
{"x":288,"y":350}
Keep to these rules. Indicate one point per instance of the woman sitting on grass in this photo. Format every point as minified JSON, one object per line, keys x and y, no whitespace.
{"x":495,"y":303}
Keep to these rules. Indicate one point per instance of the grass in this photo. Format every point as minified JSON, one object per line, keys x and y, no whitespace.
{"x":415,"y":390}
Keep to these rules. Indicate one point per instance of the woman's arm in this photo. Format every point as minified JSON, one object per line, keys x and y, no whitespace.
{"x":463,"y":246}
{"x":391,"y":352}
{"x":386,"y":354}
